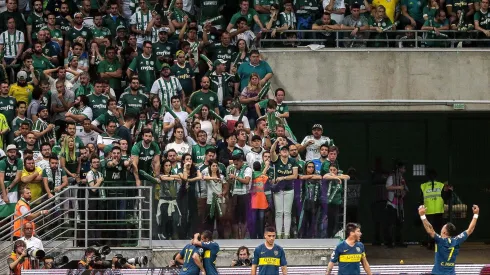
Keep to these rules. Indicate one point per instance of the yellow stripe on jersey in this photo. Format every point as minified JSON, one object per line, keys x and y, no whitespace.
{"x":351,"y":258}
{"x":207,"y":254}
{"x":269,"y":261}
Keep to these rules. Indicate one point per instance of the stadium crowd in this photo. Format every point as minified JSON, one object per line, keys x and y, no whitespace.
{"x":95,"y":93}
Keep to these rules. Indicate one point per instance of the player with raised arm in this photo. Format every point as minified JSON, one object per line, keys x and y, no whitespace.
{"x":447,"y":244}
{"x":349,"y":253}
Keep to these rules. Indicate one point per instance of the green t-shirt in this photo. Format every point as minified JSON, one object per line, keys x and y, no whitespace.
{"x":64,"y":24}
{"x":431,"y":12}
{"x":198,"y":97}
{"x":54,"y":33}
{"x":109,"y":22}
{"x":415,"y":8}
{"x":133,"y":104}
{"x":18,"y":121}
{"x":7,"y":108}
{"x":72,"y":34}
{"x":483,"y":19}
{"x":145,"y":155}
{"x":147,"y":68}
{"x":98,"y":103}
{"x":283,"y":108}
{"x":49,"y":50}
{"x":383,"y":24}
{"x":84,"y":90}
{"x":41,"y":63}
{"x":184,"y":75}
{"x":249,"y":16}
{"x":435,"y":24}
{"x":20,"y":143}
{"x":457,"y":5}
{"x":282,"y":170}
{"x":164,"y":49}
{"x":10,"y":170}
{"x":199,"y":153}
{"x":326,"y":166}
{"x":107,"y":67}
{"x":210,"y":9}
{"x":40,"y":126}
{"x":37,"y":22}
{"x":218,"y":51}
{"x":101,"y":32}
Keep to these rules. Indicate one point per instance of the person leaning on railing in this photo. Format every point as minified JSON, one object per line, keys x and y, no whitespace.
{"x":22,"y":208}
{"x":18,"y":260}
{"x":482,"y":23}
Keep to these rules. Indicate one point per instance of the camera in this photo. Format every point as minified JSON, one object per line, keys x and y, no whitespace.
{"x":245,"y":262}
{"x":104,"y":250}
{"x":35,"y":253}
{"x":141,"y":261}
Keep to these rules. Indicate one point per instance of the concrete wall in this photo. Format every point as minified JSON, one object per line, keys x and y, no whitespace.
{"x":381,"y":75}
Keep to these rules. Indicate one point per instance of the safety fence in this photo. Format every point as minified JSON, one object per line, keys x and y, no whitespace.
{"x":376,"y":269}
{"x":387,"y":39}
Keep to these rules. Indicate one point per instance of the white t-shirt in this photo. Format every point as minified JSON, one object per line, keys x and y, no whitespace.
{"x":180,"y":148}
{"x":230,"y":119}
{"x":33,"y":242}
{"x":313,"y":150}
{"x":88,"y":137}
{"x":339,"y":4}
{"x":213,"y":187}
{"x":207,"y":126}
{"x":168,"y":118}
{"x":246,"y":149}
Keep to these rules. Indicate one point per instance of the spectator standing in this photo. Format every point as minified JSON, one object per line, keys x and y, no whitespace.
{"x":357,"y":24}
{"x":184,"y":73}
{"x":145,"y":65}
{"x":334,"y":198}
{"x":412,"y":14}
{"x":32,"y":177}
{"x":22,"y":208}
{"x":110,"y":69}
{"x":168,"y":214}
{"x":169,"y":122}
{"x":258,"y":199}
{"x":204,"y":96}
{"x":190,"y":176}
{"x":95,"y":179}
{"x":482,"y":23}
{"x":223,"y":83}
{"x":145,"y":155}
{"x":31,"y":241}
{"x":239,"y":182}
{"x":323,"y":157}
{"x":43,"y":131}
{"x":12,"y":42}
{"x":217,"y":189}
{"x":397,"y":189}
{"x":10,"y":175}
{"x":249,"y":14}
{"x":178,"y":143}
{"x":12,"y":12}
{"x":313,"y":142}
{"x":167,"y":86}
{"x":255,"y":65}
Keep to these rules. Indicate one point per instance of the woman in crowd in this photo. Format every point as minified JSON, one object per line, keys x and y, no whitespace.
{"x":335,"y":196}
{"x":286,"y":171}
{"x":217,"y":189}
{"x":250,"y":96}
{"x":168,"y":212}
{"x":195,"y":128}
{"x":190,"y":175}
{"x":69,"y":158}
{"x":310,"y":199}
{"x":208,"y":124}
{"x":242,"y":55}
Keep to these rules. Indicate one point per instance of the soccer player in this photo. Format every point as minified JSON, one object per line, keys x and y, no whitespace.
{"x":349,"y":253}
{"x":211,"y":250}
{"x":447,"y":243}
{"x":190,"y":259}
{"x":269,"y":256}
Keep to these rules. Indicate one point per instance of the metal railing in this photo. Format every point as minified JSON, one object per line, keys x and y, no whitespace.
{"x":451,"y":37}
{"x":64,"y":227}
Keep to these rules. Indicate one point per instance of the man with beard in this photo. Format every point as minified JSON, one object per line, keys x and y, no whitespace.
{"x":21,"y":209}
{"x":333,"y":152}
{"x":54,"y":178}
{"x":172,"y":157}
{"x":88,"y":135}
{"x":323,"y":157}
{"x":21,"y":90}
{"x":85,"y":88}
{"x":33,"y":76}
{"x":32,"y":176}
{"x":71,"y":130}
{"x":79,"y":112}
{"x":155,"y":27}
{"x":61,"y":101}
{"x":43,"y":131}
{"x":95,"y":179}
{"x":49,"y":50}
{"x":12,"y":12}
{"x":12,"y":42}
{"x":43,"y":161}
{"x":199,"y":149}
{"x":115,"y":170}
{"x":233,"y":117}
{"x":162,"y":47}
{"x":203,"y":96}
{"x":167,"y":86}
{"x":82,"y":181}
{"x":110,"y":69}
{"x":112,"y":114}
{"x":184,"y":73}
{"x":32,"y":147}
{"x":133,"y":101}
{"x":77,"y":33}
{"x":61,"y":72}
{"x":20,"y":140}
{"x":101,"y":34}
{"x":139,"y":23}
{"x":146,"y":66}
{"x":145,"y":156}
{"x":39,"y":61}
{"x":98,"y":101}
{"x":36,"y":21}
{"x":10,"y":174}
{"x":124,"y":131}
{"x":63,"y":16}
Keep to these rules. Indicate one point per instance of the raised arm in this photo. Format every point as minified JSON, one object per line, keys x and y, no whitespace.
{"x":471,"y":228}
{"x":428,"y":227}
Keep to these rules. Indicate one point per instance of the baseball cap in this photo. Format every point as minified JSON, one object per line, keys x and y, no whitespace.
{"x":41,"y":108}
{"x":11,"y":147}
{"x":165,"y":30}
{"x":285,"y":147}
{"x":219,"y":61}
{"x":165,"y":65}
{"x":21,"y":75}
{"x":355,"y":6}
{"x":256,"y":137}
{"x":121,"y":27}
{"x":319,"y":126}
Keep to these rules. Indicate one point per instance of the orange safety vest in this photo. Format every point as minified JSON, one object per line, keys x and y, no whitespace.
{"x":24,"y":265}
{"x":19,"y":224}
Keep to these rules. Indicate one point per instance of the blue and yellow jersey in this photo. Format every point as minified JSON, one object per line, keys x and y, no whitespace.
{"x":348,"y":257}
{"x":447,"y":249}
{"x":189,"y":267}
{"x":269,"y":260}
{"x":210,"y":253}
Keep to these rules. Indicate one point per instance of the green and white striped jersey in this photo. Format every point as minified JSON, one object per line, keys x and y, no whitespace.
{"x":141,"y":21}
{"x":10,"y":41}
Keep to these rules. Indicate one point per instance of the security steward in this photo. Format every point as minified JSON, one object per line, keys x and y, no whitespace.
{"x":22,"y":208}
{"x":18,"y":259}
{"x":434,"y":193}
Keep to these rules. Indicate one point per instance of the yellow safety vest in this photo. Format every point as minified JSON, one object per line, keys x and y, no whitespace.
{"x":432,"y":197}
